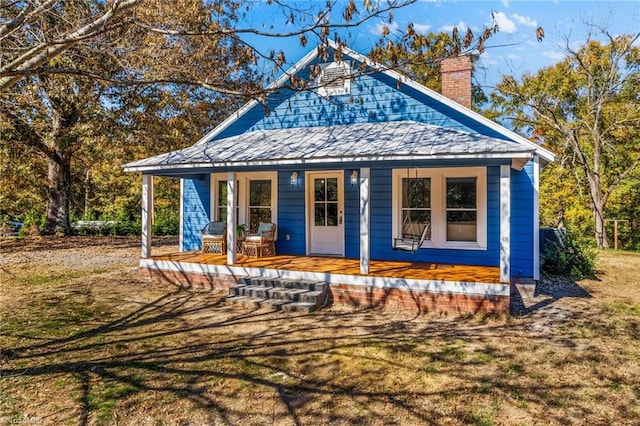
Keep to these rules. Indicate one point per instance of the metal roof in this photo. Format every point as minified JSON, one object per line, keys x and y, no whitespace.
{"x":395,"y":140}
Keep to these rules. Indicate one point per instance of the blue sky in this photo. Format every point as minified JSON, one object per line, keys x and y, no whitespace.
{"x":512,"y":51}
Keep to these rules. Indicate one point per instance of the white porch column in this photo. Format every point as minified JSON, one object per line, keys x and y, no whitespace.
{"x":365,"y":236}
{"x":181,"y":228}
{"x":232,"y":221}
{"x":536,"y":217}
{"x":147,"y":214}
{"x":505,"y":223}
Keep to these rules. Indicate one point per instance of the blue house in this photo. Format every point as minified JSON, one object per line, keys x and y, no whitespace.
{"x":351,"y":170}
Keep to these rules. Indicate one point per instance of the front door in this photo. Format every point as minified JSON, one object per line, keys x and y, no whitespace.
{"x":325,"y":207}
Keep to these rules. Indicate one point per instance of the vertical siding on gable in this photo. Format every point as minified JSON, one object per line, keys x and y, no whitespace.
{"x":522,"y":222}
{"x":196,"y":214}
{"x":381,"y":232}
{"x":291,"y":211}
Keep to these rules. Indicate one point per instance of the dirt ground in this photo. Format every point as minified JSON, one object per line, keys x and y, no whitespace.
{"x":85,"y":340}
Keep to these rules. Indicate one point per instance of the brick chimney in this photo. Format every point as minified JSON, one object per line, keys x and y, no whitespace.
{"x":456,"y":79}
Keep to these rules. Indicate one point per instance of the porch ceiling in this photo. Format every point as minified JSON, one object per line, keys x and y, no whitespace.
{"x":395,"y":140}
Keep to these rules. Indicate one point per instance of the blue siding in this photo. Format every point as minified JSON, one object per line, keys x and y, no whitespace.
{"x":351,"y":216}
{"x":373,"y":98}
{"x":522,"y":210}
{"x":291,"y":211}
{"x":381,"y":229}
{"x":197,"y":206}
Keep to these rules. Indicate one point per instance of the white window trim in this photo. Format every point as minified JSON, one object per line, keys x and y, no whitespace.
{"x":334,"y":91}
{"x":243,"y":193}
{"x":438,"y":178}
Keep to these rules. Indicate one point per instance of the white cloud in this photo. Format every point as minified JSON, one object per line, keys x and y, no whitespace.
{"x":524,"y":20}
{"x":505,"y":3}
{"x":505,"y":24}
{"x":377,"y":29}
{"x":422,"y":28}
{"x":462,"y":26}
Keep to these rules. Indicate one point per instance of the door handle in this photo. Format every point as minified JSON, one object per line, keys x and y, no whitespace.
{"x":340,"y":218}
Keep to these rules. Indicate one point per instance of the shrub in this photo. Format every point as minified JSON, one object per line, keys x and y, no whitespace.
{"x":569,"y":256}
{"x":32,"y":224}
{"x":166,"y":223}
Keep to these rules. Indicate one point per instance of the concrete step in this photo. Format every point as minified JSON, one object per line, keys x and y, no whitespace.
{"x":285,"y":283}
{"x":273,"y":304}
{"x":280,"y":294}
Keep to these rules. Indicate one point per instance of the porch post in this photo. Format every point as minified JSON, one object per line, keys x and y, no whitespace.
{"x":536,"y":217}
{"x":147,"y":214}
{"x":365,"y":237}
{"x":231,"y":217}
{"x":505,"y":223}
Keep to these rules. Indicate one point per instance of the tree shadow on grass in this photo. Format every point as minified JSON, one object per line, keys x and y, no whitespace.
{"x":547,"y":291}
{"x":193,"y":347}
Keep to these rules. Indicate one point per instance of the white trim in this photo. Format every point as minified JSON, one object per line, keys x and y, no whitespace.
{"x":147,"y":215}
{"x":505,"y":223}
{"x":308,"y":176}
{"x":324,"y":160}
{"x":231,"y":217}
{"x":536,"y":217}
{"x":365,"y":236}
{"x":405,"y":81}
{"x":438,"y":178}
{"x":326,"y":90}
{"x":431,"y":286}
{"x":279,"y":82}
{"x":181,"y":227}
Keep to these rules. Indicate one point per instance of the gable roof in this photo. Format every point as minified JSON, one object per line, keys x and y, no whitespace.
{"x":203,"y":149}
{"x":379,"y":141}
{"x":313,"y":54}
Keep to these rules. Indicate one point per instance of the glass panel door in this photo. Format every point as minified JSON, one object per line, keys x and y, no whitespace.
{"x":326,"y":229}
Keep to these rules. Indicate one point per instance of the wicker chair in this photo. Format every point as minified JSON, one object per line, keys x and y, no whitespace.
{"x":262,"y":243}
{"x":214,"y":238}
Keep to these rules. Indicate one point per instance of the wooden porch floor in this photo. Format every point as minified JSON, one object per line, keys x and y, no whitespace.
{"x":378,"y":268}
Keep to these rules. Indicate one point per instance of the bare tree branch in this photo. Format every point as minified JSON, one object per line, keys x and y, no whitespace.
{"x":42,"y":53}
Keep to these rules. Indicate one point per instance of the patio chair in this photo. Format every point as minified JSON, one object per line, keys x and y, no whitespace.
{"x":214,"y":238}
{"x":262,"y":243}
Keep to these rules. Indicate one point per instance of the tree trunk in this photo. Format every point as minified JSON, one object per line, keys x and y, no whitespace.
{"x":601,"y":232}
{"x":58,"y":197}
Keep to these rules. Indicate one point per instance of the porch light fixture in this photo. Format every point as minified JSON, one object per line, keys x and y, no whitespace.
{"x":354,"y":177}
{"x":294,"y":179}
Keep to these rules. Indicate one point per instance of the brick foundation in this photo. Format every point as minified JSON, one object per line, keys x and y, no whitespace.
{"x":418,"y":300}
{"x":354,"y":295}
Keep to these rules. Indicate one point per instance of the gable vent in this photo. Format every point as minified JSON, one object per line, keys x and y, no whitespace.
{"x":334,"y":79}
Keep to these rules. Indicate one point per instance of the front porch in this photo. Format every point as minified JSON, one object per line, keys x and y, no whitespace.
{"x":427,"y":287}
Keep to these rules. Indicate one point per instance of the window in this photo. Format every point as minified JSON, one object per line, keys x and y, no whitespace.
{"x":334,"y":79}
{"x":325,"y":194}
{"x":452,"y":200}
{"x":256,"y":200}
{"x":221,"y":200}
{"x":416,"y":205}
{"x":259,"y":202}
{"x":462,"y":213}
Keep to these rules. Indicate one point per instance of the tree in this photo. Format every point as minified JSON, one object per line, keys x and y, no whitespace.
{"x":153,"y":38}
{"x":67,"y":67}
{"x":77,"y":73}
{"x":419,"y":56}
{"x":587,"y":108}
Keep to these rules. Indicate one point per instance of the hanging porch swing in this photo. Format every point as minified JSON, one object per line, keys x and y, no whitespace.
{"x":412,"y":236}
